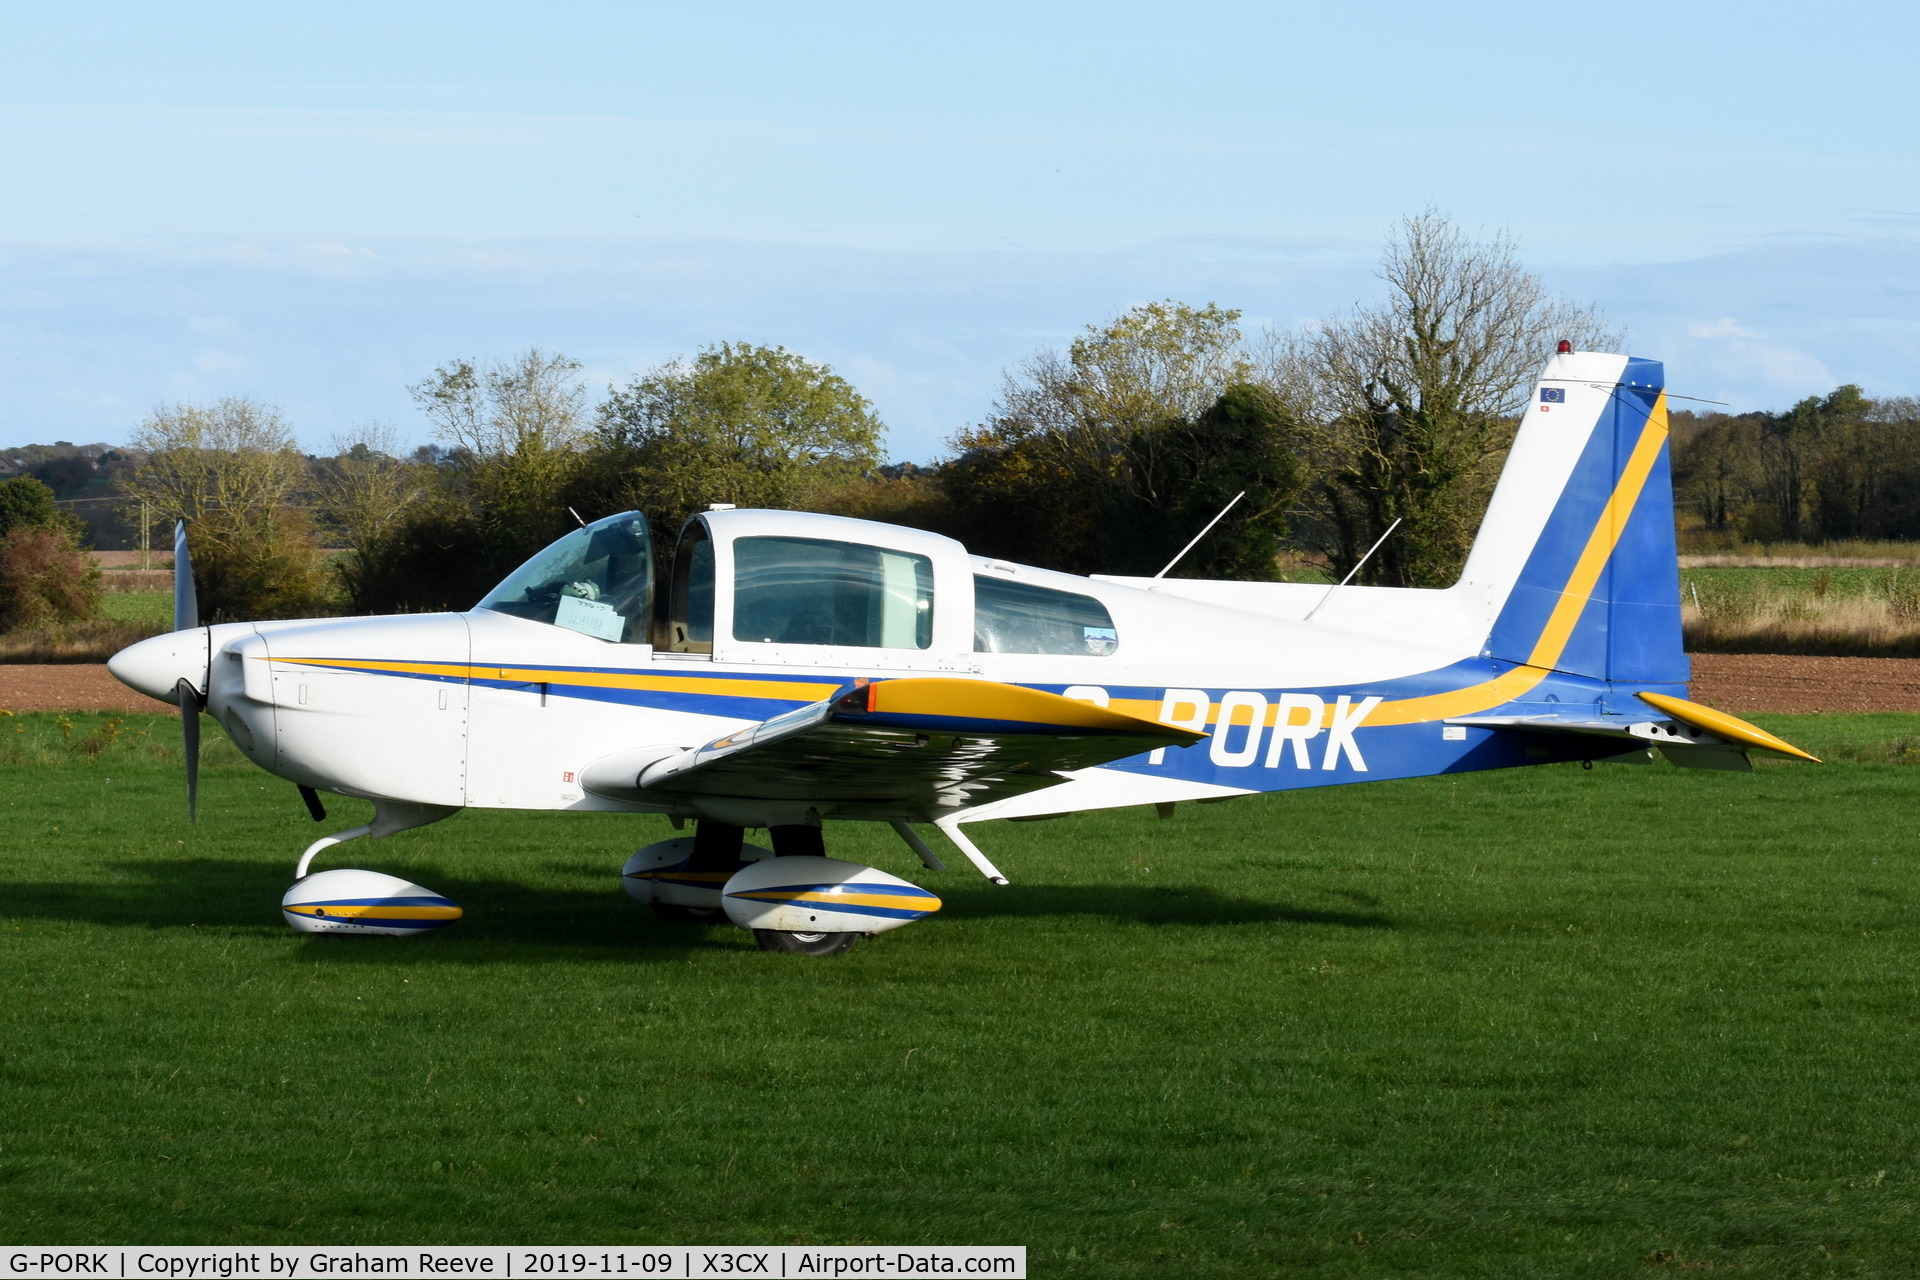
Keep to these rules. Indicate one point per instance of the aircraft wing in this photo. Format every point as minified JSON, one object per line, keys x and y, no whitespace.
{"x":1689,"y":734}
{"x":912,"y":746}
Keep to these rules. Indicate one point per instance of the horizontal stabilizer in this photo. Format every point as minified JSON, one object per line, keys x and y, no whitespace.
{"x":1732,"y":728}
{"x":1690,"y":735}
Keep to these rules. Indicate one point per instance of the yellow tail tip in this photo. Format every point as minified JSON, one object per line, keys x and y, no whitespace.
{"x":1732,"y":728}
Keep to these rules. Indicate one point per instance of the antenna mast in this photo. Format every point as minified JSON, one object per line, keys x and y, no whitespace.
{"x":1358,"y":565}
{"x":1203,"y":533}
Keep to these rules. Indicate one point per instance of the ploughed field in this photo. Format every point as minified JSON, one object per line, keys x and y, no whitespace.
{"x":1549,"y":1021}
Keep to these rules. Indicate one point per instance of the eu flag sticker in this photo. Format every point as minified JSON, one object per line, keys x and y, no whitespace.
{"x":1553,"y":395}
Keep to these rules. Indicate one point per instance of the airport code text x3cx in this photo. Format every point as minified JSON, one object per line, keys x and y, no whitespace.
{"x":796,"y":670}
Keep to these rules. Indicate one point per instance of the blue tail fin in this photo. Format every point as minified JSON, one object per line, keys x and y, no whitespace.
{"x":1580,"y":530}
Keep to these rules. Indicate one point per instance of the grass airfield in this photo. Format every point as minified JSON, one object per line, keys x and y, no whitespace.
{"x":1543,"y":1022}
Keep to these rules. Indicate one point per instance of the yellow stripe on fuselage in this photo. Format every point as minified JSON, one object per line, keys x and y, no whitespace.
{"x":747,"y":687}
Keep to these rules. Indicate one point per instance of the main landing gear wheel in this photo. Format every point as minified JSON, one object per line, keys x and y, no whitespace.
{"x":805,"y":944}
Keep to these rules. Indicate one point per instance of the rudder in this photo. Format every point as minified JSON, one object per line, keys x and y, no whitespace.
{"x":1594,"y":588}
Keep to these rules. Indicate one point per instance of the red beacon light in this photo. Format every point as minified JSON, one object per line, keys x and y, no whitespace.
{"x":1565,"y":348}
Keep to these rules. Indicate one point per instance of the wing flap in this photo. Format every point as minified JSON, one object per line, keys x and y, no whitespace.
{"x":920,"y":745}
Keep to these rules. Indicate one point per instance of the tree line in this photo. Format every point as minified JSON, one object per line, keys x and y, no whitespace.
{"x":1833,"y":468}
{"x":1105,"y":456}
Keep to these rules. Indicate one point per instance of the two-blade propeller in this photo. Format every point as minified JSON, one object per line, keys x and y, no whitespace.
{"x":192,"y":700}
{"x":186,"y":617}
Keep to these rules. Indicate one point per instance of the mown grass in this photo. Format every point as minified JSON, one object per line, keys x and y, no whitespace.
{"x":1546,"y":1022}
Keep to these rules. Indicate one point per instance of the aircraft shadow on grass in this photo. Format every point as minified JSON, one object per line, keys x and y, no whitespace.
{"x":506,"y":921}
{"x":1156,"y":905}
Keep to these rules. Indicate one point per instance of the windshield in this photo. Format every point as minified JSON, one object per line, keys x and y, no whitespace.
{"x":597,"y":581}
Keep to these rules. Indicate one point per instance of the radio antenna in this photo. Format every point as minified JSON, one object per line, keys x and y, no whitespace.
{"x":1356,"y":568}
{"x":1203,"y":533}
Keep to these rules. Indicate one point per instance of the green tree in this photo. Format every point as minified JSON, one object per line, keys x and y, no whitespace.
{"x":233,"y":472}
{"x":26,"y":502}
{"x":1243,"y":443}
{"x":1716,"y":470}
{"x":752,"y":425}
{"x":370,"y":499}
{"x":1109,"y":457}
{"x":366,"y":487}
{"x":1411,"y":403}
{"x":1831,"y":468}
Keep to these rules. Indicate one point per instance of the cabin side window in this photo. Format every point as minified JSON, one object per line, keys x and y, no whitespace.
{"x":817,"y":591}
{"x":1018,"y":617}
{"x":690,"y":613}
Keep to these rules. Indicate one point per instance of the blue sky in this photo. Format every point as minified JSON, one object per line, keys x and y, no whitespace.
{"x":316,"y":206}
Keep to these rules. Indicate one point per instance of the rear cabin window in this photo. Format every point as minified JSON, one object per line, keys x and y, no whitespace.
{"x":815,"y":591}
{"x":1017,"y":617}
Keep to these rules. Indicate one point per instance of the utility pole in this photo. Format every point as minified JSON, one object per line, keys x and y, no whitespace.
{"x":145,"y":561}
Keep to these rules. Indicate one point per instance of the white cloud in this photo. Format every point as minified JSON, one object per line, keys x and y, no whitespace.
{"x":1725,"y":327}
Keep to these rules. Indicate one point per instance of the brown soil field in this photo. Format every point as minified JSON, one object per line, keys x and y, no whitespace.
{"x":1740,"y":682}
{"x":74,"y":686}
{"x":1736,"y":682}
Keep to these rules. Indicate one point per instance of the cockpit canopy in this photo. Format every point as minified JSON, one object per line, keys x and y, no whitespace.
{"x":837,"y":587}
{"x":597,"y":581}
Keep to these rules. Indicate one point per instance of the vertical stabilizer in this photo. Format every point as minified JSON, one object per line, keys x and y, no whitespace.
{"x":1579,"y":537}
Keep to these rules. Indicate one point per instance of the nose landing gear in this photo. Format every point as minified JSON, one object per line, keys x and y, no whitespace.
{"x":346,"y":900}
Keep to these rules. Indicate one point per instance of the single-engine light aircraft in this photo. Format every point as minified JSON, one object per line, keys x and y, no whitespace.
{"x":797,"y":670}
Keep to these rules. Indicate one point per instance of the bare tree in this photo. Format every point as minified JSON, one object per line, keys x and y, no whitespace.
{"x":366,"y":486}
{"x":1410,"y":404}
{"x":517,"y":429}
{"x":233,"y":455}
{"x":532,"y":404}
{"x":233,"y":472}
